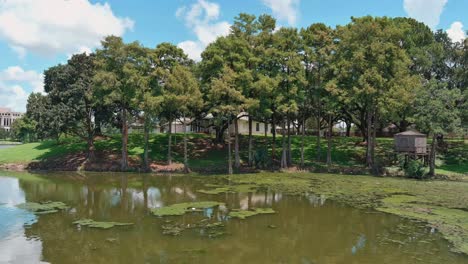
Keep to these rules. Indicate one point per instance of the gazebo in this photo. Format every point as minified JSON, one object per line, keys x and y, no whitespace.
{"x":411,"y":142}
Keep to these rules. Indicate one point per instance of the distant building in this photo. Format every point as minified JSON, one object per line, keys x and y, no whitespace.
{"x":205,"y":125}
{"x":8,"y":117}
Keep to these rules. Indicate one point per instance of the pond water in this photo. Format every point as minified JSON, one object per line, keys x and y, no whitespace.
{"x":3,"y":146}
{"x":305,"y":229}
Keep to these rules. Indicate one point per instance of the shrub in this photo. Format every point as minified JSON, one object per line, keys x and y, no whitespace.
{"x":261,"y":158}
{"x":415,"y":169}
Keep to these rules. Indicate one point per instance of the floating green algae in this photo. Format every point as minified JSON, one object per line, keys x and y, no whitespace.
{"x":441,"y":204}
{"x":242,"y":188}
{"x":182,"y":208}
{"x":452,"y":223}
{"x":172,"y":229}
{"x":211,"y":230}
{"x":102,"y":225}
{"x":242,"y":214}
{"x":43,"y":208}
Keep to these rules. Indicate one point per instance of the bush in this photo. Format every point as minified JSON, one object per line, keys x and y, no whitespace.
{"x":261,"y":158}
{"x":415,"y":169}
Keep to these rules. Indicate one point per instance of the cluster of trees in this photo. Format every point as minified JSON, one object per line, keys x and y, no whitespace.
{"x":371,"y":72}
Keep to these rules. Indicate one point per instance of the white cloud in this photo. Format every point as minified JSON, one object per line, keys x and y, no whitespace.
{"x":192,"y":48}
{"x":14,"y":97}
{"x":14,"y":83}
{"x":287,"y":10}
{"x":427,"y":11}
{"x":202,"y":18}
{"x":456,"y":32}
{"x":51,"y":27}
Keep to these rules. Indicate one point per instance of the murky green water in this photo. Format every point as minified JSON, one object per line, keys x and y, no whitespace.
{"x":308,"y":229}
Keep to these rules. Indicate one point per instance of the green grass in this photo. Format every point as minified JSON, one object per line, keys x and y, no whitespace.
{"x":346,"y":152}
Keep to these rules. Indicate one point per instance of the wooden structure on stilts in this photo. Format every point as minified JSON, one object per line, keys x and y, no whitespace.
{"x":413,"y":145}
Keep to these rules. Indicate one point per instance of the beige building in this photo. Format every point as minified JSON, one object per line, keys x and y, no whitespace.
{"x":204,"y":126}
{"x":8,"y":117}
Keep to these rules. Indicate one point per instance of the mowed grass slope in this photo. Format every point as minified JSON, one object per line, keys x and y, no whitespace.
{"x":204,"y":153}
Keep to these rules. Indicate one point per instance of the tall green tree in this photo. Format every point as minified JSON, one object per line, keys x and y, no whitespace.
{"x":118,"y":78}
{"x":437,"y":113}
{"x":71,"y":91}
{"x":319,"y":47}
{"x":291,"y":80}
{"x":39,"y":109}
{"x":227,"y":101}
{"x":183,"y":90}
{"x":167,"y":56}
{"x":371,"y":67}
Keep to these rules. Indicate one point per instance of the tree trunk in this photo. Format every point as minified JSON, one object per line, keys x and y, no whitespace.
{"x":289,"y":153}
{"x":348,"y":129}
{"x":318,"y":138}
{"x":250,"y":142}
{"x":236,"y":144}
{"x":302,"y":141}
{"x":186,"y":165}
{"x":374,"y":143}
{"x":329,"y":141}
{"x":284,"y":163}
{"x":229,"y":148}
{"x":273,"y":140}
{"x":146,"y":148}
{"x":169,"y":144}
{"x":432,"y":156}
{"x":124,"y":164}
{"x":90,"y":140}
{"x":363,"y":130}
{"x":91,"y":148}
{"x":369,"y":160}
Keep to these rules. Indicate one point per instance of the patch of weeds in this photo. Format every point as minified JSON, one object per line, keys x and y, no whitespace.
{"x":242,"y":214}
{"x":172,"y":229}
{"x":44,"y":208}
{"x":111,"y":240}
{"x":452,"y":223}
{"x":101,"y":225}
{"x":211,"y":230}
{"x":182,"y":208}
{"x":242,"y":188}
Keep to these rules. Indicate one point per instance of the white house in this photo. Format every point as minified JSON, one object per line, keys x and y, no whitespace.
{"x":191,"y":125}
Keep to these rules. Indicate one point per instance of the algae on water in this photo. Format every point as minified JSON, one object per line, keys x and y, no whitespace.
{"x":102,"y":225}
{"x":242,"y":188}
{"x":211,"y":230}
{"x":182,"y":208}
{"x":43,"y":208}
{"x":242,"y":214}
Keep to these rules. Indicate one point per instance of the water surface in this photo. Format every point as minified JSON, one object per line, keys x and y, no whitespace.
{"x":306,"y":229}
{"x":4,"y":146}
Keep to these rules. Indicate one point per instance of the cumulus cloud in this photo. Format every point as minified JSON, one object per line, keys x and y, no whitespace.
{"x":456,"y":32}
{"x":286,"y":10}
{"x":427,"y":11}
{"x":51,"y":27}
{"x":15,"y":86}
{"x":202,"y":18}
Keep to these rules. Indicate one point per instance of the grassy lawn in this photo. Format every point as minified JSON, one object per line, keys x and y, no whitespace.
{"x":346,"y":152}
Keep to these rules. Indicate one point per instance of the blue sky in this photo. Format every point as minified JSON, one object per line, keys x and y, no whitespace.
{"x":35,"y":35}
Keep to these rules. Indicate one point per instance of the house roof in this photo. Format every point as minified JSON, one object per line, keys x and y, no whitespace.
{"x":410,"y":133}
